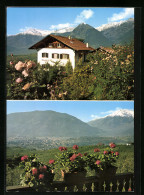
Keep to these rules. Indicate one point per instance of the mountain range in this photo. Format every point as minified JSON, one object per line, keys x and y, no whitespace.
{"x":106,"y":35}
{"x":55,"y":124}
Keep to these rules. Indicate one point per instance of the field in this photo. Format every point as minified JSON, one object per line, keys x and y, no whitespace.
{"x":125,"y":163}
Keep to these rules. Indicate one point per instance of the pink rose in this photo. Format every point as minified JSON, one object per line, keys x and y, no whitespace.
{"x":41,"y":176}
{"x":19,"y":66}
{"x":25,"y":73}
{"x":19,"y":80}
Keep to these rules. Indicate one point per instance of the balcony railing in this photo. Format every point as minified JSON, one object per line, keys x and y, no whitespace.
{"x":117,"y":183}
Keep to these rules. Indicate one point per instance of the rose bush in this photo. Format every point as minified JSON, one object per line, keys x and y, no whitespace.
{"x":36,"y":174}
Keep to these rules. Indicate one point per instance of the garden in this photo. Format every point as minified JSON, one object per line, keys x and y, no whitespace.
{"x":104,"y":76}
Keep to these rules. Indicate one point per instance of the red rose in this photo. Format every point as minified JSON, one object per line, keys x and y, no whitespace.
{"x":96,"y":150}
{"x":75,"y":147}
{"x":116,"y":153}
{"x":51,"y":161}
{"x":41,"y":176}
{"x":105,"y":152}
{"x":98,"y":162}
{"x":34,"y":171}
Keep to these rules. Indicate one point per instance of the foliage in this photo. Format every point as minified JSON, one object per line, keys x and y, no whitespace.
{"x":36,"y":174}
{"x":105,"y":76}
{"x":70,"y":161}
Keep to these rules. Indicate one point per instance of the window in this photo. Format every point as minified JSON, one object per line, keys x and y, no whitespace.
{"x":44,"y":55}
{"x":64,"y":56}
{"x":55,"y":55}
{"x":58,"y":45}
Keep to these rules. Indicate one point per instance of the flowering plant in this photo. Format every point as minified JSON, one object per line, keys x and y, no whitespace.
{"x":70,"y":162}
{"x":102,"y":159}
{"x":36,"y":174}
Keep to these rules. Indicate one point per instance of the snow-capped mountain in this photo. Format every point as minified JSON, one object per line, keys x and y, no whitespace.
{"x":122,"y":113}
{"x":38,"y":32}
{"x":113,"y":24}
{"x":119,"y":123}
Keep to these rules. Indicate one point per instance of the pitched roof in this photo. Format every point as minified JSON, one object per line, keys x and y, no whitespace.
{"x":106,"y":49}
{"x":69,"y":42}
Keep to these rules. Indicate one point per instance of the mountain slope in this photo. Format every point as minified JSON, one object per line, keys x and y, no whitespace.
{"x":49,"y":124}
{"x":120,"y":123}
{"x":89,"y":34}
{"x":121,"y":33}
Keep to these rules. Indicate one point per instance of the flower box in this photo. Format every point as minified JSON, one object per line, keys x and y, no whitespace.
{"x":75,"y":177}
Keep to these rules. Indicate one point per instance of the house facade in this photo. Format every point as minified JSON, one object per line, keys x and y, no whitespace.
{"x":60,"y":49}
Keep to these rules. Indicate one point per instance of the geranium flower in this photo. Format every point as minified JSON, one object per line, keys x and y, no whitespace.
{"x":24,"y":158}
{"x":112,"y":152}
{"x":79,"y":154}
{"x":112,"y":145}
{"x":43,"y":169}
{"x":73,"y":157}
{"x":62,"y":148}
{"x":41,"y":176}
{"x":98,"y":162}
{"x":105,"y":152}
{"x":75,"y":147}
{"x":116,"y":153}
{"x":96,"y":150}
{"x":51,"y":161}
{"x":19,"y":80}
{"x":34,"y":171}
{"x":129,"y":190}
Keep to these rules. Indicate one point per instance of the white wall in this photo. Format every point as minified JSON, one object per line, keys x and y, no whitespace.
{"x":51,"y":61}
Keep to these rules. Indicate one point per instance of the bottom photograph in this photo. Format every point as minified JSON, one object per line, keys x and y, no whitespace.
{"x":70,"y":146}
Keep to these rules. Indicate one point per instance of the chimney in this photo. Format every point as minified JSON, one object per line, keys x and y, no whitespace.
{"x":86,"y":44}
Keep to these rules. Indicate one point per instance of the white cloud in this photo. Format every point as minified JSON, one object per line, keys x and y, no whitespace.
{"x":60,"y":26}
{"x":126,"y":13}
{"x":84,"y":15}
{"x":110,"y":111}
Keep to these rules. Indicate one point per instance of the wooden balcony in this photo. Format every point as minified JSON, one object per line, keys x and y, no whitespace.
{"x":117,"y":183}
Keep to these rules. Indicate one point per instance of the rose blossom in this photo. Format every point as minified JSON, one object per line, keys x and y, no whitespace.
{"x":41,"y":176}
{"x":34,"y":171}
{"x":75,"y":147}
{"x":96,"y":150}
{"x":25,"y":73}
{"x":98,"y":162}
{"x":26,"y":86}
{"x":51,"y":161}
{"x":19,"y":80}
{"x":19,"y":66}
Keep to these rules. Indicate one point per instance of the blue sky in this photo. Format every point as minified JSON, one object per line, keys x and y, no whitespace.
{"x":84,"y":110}
{"x":21,"y":18}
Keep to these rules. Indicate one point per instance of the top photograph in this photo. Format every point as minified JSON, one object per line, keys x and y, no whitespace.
{"x":70,"y":53}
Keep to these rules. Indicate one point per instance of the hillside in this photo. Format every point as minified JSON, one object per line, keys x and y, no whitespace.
{"x":48,"y":124}
{"x":119,"y":124}
{"x":105,"y":36}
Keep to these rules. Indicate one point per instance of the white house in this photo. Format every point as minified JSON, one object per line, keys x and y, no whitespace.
{"x":63,"y":49}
